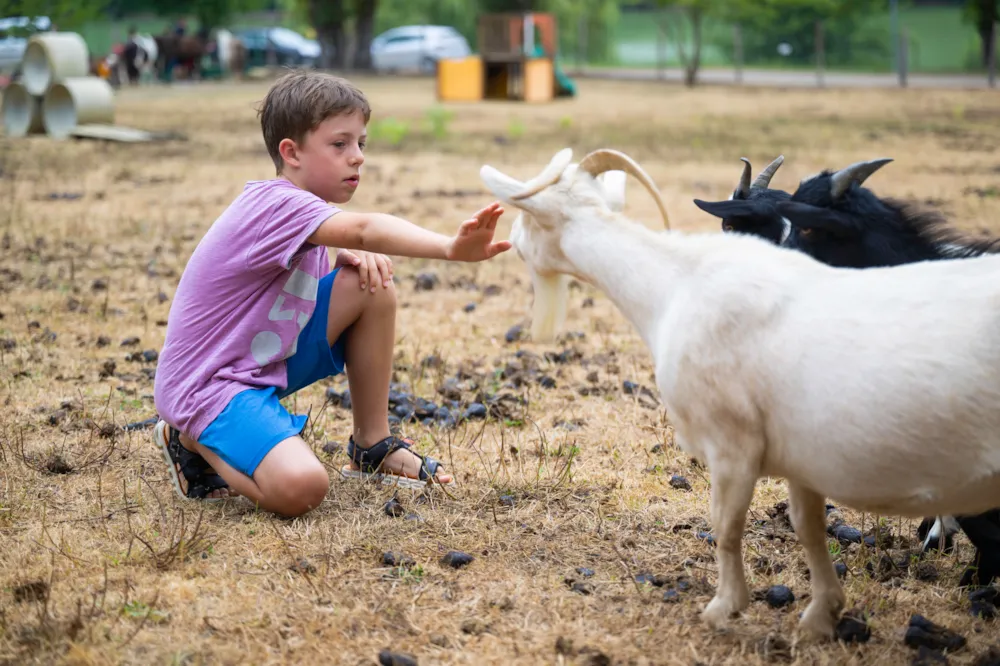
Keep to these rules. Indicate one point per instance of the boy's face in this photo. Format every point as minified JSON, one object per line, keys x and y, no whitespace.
{"x":329,"y":159}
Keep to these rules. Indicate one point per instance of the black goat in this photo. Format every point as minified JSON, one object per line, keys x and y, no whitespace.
{"x":751,"y":209}
{"x":837,"y":221}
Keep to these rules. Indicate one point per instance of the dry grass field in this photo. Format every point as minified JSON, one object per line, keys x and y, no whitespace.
{"x":101,"y":563}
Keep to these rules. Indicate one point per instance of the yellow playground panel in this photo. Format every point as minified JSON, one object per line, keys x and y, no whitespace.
{"x":516,"y":61}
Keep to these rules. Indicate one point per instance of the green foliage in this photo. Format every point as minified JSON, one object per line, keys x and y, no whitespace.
{"x":438,"y":119}
{"x":389,"y":130}
{"x":66,"y":14}
{"x":461,"y":14}
{"x":600,"y":17}
{"x":794,"y":22}
{"x":207,"y":13}
{"x":511,"y":5}
{"x":515,"y":128}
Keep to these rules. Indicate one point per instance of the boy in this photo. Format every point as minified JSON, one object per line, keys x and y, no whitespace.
{"x":258,"y":314}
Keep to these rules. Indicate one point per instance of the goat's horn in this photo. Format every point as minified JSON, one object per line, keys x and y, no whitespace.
{"x":855,"y":173}
{"x":743,"y":189}
{"x":764,"y":179}
{"x":550,"y":175}
{"x":605,"y":159}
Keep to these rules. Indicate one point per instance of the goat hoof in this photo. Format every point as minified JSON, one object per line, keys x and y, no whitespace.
{"x":818,"y":622}
{"x":718,"y":612}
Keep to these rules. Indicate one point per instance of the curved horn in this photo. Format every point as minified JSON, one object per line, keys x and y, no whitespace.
{"x":855,"y":173}
{"x":550,"y":175}
{"x":599,"y":161}
{"x":764,"y":179}
{"x":743,"y":189}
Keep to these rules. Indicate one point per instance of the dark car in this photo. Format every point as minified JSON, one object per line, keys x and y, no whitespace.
{"x":285,"y":46}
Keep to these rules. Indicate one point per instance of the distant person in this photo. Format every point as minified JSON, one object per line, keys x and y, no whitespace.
{"x":134,"y":56}
{"x":259,"y":315}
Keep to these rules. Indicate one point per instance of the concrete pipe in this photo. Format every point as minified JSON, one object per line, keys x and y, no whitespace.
{"x":51,"y":57}
{"x":22,"y":111}
{"x":77,"y":101}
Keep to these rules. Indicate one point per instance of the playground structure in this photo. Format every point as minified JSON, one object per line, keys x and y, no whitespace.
{"x":56,"y":93}
{"x":516,"y":61}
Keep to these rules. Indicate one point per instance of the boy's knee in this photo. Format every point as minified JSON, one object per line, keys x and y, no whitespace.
{"x":348,"y":279}
{"x":388,"y":294}
{"x":302,"y":490}
{"x":348,"y":284}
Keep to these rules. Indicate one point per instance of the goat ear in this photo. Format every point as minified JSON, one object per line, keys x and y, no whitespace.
{"x":500,"y":184}
{"x":729,"y":208}
{"x":805,"y":217}
{"x":614,"y":183}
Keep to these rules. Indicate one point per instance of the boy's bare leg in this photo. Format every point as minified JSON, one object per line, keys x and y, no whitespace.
{"x":289,"y":480}
{"x":369,"y":321}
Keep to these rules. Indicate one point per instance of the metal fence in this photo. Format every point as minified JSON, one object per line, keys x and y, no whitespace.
{"x":931,"y":43}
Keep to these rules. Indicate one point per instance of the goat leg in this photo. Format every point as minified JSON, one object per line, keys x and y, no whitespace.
{"x":808,"y":512}
{"x":732,"y":490}
{"x":983,"y":531}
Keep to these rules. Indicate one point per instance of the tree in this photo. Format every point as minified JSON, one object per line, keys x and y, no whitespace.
{"x":328,"y":18}
{"x":65,"y":14}
{"x":208,"y":13}
{"x":510,"y":5}
{"x":695,"y":12}
{"x":846,"y":37}
{"x":983,"y":14}
{"x":364,"y":29}
{"x":793,"y":20}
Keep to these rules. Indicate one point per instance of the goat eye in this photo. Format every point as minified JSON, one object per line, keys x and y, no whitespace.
{"x":727,"y":227}
{"x":805,"y":232}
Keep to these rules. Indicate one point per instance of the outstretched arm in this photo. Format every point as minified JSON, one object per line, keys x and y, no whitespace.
{"x":388,"y":234}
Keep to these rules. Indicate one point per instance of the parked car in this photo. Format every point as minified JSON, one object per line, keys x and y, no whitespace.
{"x":290,"y":47}
{"x":417,"y":47}
{"x":14,"y":34}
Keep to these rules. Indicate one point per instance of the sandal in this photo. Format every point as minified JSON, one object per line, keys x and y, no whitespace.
{"x":370,"y":461}
{"x":201,"y":479}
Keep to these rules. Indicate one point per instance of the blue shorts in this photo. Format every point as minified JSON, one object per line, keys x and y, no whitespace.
{"x":254,"y":421}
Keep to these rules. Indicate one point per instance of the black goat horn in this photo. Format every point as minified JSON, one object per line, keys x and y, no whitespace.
{"x":764,"y":179}
{"x":858,"y":173}
{"x":743,"y":189}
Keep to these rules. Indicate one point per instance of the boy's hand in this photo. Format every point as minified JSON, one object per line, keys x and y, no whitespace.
{"x":474,"y":241}
{"x":374,"y":268}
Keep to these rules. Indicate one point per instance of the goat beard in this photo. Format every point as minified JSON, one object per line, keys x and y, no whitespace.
{"x":549,"y":308}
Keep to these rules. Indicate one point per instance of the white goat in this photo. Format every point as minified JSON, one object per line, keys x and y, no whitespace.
{"x":875,"y":388}
{"x":551,"y":290}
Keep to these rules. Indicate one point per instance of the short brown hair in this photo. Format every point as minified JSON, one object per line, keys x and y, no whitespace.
{"x":299,"y":101}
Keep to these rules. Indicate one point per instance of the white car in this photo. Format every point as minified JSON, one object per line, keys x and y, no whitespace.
{"x":14,"y":33}
{"x":417,"y":47}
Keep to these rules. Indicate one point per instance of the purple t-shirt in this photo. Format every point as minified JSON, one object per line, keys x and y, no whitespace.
{"x":247,"y":291}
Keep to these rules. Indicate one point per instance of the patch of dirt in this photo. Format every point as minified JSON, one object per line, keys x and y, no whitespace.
{"x":586,"y":530}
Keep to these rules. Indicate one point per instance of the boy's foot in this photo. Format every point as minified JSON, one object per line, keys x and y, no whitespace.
{"x":392,"y":461}
{"x":193,"y":477}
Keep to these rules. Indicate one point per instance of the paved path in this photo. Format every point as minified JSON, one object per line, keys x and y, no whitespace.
{"x":790,"y":79}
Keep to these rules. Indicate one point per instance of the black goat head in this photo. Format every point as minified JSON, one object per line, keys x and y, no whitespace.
{"x":751,"y":208}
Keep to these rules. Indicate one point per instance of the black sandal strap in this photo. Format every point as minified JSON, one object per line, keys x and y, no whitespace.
{"x":201,"y":479}
{"x":429,"y":467}
{"x":370,"y":460}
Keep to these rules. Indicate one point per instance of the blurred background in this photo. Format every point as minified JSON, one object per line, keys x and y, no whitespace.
{"x":681,"y":39}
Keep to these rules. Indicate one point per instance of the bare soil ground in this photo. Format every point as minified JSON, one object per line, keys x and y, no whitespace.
{"x":562,"y":502}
